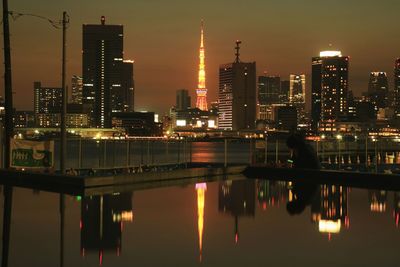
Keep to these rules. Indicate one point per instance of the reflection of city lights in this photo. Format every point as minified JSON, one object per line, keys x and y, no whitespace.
{"x":378,"y":207}
{"x":125,"y":216}
{"x":329,"y":226}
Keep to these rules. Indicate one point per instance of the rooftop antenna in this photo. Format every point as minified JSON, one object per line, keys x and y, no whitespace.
{"x":237,"y":54}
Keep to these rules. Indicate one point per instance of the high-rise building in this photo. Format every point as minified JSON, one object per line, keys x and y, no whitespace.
{"x":77,"y":86}
{"x":182,"y":100}
{"x":378,"y":89}
{"x":201,"y":91}
{"x":329,"y":87}
{"x":297,"y":91}
{"x":46,"y":99}
{"x":269,"y":89}
{"x":237,"y":95}
{"x":285,"y":91}
{"x":397,"y":86}
{"x":128,"y":85}
{"x":102,"y":59}
{"x":122,"y":96}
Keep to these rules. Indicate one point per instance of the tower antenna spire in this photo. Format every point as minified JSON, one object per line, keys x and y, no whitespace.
{"x":237,"y":48}
{"x":201,"y":91}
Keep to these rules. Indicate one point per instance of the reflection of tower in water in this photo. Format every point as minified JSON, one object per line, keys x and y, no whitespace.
{"x":377,"y":200}
{"x":330,"y":209}
{"x":238,"y":199}
{"x":201,"y":190}
{"x":102,"y":219}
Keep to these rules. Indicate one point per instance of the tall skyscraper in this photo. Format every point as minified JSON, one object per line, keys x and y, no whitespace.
{"x":102,"y":59}
{"x":182,"y":100}
{"x":329,"y":87}
{"x":46,"y":99}
{"x":237,"y":94}
{"x":378,"y":89}
{"x":397,"y":86}
{"x":128,"y":85}
{"x":201,"y":90}
{"x":122,"y":98}
{"x":285,"y":91}
{"x":297,"y":91}
{"x":77,"y":86}
{"x":269,"y":89}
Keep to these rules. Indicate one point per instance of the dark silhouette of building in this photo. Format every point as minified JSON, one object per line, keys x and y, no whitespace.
{"x":101,"y":222}
{"x":128,"y":86}
{"x":329,"y":88}
{"x":24,"y":119}
{"x":269,"y":90}
{"x":285,"y":91}
{"x":77,"y":87}
{"x":122,"y":98}
{"x":378,"y":89}
{"x":286,"y":118}
{"x":137,"y":123}
{"x":397,"y":86}
{"x":107,"y":79}
{"x":237,"y":95}
{"x":238,"y":199}
{"x":183,"y":100}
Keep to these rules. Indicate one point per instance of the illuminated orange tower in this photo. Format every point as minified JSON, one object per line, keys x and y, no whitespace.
{"x":201,"y":90}
{"x":201,"y":189}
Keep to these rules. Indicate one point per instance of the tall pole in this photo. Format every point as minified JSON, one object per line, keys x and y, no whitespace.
{"x":63,"y":143}
{"x":7,"y":87}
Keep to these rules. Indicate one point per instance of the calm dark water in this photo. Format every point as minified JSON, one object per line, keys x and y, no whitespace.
{"x":221,"y":223}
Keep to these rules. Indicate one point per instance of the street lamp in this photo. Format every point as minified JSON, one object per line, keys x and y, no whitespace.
{"x":322,"y":146}
{"x":339,"y":137}
{"x":375,"y":140}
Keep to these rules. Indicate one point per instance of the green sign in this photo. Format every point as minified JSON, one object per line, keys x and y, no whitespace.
{"x":32,"y":154}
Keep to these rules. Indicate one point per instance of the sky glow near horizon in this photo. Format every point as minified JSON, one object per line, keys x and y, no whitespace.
{"x":163,"y":38}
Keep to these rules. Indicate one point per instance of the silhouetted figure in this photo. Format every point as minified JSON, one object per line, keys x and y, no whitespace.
{"x":303,"y":195}
{"x":303,"y":155}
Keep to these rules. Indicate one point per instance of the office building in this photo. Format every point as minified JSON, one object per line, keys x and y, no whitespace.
{"x":46,"y":99}
{"x":102,"y":59}
{"x":329,"y":88}
{"x":269,"y":90}
{"x":297,"y":91}
{"x":378,"y":89}
{"x":182,"y":100}
{"x":128,"y":86}
{"x":237,"y":95}
{"x":285,"y":91}
{"x":397,"y":86}
{"x":77,"y":86}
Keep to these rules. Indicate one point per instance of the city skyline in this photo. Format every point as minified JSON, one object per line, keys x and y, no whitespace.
{"x":164,"y":41}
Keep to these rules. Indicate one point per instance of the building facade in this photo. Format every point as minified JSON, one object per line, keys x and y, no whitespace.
{"x":77,"y":87}
{"x":237,"y":95}
{"x":378,"y":89}
{"x":105,"y":72}
{"x":183,"y":100}
{"x":329,"y":87}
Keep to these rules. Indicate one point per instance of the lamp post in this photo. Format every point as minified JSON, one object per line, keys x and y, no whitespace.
{"x":375,"y":140}
{"x":339,"y":137}
{"x":322,"y":147}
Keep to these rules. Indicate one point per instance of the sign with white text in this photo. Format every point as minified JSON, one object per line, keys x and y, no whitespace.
{"x":32,"y":154}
